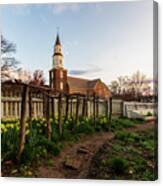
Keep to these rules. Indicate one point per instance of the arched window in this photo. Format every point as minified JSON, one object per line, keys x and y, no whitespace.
{"x":51,"y":75}
{"x":61,"y":74}
{"x":61,"y":85}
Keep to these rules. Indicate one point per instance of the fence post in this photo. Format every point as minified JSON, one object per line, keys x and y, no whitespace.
{"x":30,"y":110}
{"x":60,"y":113}
{"x":110,"y":109}
{"x":49,"y":130}
{"x":106,"y":108}
{"x":122,"y":109}
{"x":94,"y":109}
{"x":97,"y":107}
{"x":77,"y":111}
{"x":84,"y":107}
{"x":44,"y":105}
{"x":22,"y":121}
{"x":53,"y":108}
{"x":71,"y":102}
{"x":67,"y":107}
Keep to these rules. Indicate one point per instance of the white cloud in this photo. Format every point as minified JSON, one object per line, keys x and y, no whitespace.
{"x":21,"y":10}
{"x":63,"y":7}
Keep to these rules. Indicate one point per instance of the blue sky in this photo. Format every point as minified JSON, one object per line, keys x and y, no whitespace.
{"x":100,"y":40}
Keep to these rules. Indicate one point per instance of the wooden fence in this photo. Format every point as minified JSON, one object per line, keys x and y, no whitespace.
{"x":138,"y":109}
{"x":11,"y":106}
{"x":11,"y":98}
{"x":26,"y":101}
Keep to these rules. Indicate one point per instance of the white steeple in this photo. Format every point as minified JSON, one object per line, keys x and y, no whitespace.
{"x":58,"y":56}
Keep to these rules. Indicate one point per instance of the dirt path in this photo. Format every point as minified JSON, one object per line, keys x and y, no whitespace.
{"x":74,"y":160}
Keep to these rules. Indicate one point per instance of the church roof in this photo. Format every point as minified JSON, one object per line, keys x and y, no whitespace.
{"x":92,"y":83}
{"x":81,"y":85}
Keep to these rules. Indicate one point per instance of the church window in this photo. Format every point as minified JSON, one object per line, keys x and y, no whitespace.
{"x":61,"y":85}
{"x":51,"y":75}
{"x":61,"y":74}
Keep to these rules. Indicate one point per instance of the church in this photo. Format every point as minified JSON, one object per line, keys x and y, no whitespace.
{"x":60,"y":81}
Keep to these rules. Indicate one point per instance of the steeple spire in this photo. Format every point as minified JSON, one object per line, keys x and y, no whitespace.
{"x":57,"y":42}
{"x":57,"y":55}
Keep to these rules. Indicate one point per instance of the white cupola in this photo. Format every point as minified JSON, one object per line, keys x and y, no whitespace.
{"x":58,"y":56}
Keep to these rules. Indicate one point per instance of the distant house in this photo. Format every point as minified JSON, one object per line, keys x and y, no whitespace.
{"x":60,"y":81}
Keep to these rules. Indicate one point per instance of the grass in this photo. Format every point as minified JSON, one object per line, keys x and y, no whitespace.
{"x":119,"y":165}
{"x":129,"y":156}
{"x":37,"y":145}
{"x":123,"y":122}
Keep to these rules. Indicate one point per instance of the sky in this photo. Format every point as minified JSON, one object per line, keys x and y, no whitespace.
{"x":100,"y":40}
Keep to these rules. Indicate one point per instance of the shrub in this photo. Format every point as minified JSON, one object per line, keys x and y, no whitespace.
{"x":85,"y":128}
{"x":9,"y":143}
{"x":149,"y":114}
{"x":119,"y":165}
{"x":102,"y":124}
{"x":122,"y":135}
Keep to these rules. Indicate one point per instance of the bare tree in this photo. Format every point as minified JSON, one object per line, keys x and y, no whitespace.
{"x":7,"y":49}
{"x":114,"y":87}
{"x":8,"y":62}
{"x":38,"y":78}
{"x":136,"y":85}
{"x":120,"y":85}
{"x":139,"y":83}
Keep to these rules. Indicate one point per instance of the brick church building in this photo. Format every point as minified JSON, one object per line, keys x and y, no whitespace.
{"x":60,"y":81}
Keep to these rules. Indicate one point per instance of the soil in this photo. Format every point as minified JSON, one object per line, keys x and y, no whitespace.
{"x":74,"y":159}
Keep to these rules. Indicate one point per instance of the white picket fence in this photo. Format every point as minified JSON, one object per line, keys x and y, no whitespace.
{"x":11,"y":108}
{"x":138,"y":110}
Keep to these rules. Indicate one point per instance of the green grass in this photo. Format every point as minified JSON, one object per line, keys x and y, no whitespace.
{"x":38,"y":146}
{"x":131,"y":156}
